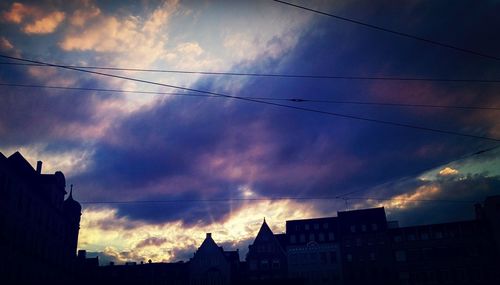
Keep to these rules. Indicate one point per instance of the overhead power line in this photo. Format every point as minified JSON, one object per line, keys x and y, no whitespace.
{"x":216,"y":200}
{"x":404,"y":125}
{"x":295,"y":100}
{"x":476,"y":153}
{"x":394,"y":32}
{"x":272,"y":75}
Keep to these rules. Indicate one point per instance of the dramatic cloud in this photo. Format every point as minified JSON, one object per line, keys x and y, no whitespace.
{"x":126,"y":240}
{"x":142,"y":41}
{"x":117,"y":146}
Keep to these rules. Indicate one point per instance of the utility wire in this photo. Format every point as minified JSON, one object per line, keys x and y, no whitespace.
{"x":404,"y":125}
{"x":423,"y":171}
{"x":272,"y":75}
{"x":394,"y":32}
{"x":295,"y":100}
{"x":215,"y":200}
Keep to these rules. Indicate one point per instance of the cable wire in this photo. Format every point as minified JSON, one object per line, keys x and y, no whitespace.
{"x":404,"y":125}
{"x":428,"y":169}
{"x":394,"y":32}
{"x":216,"y":200}
{"x":272,"y":75}
{"x":295,"y":100}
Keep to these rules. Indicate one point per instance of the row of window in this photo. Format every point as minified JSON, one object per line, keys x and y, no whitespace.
{"x":264,"y":264}
{"x":328,"y":257}
{"x":363,"y":228}
{"x":452,"y":276}
{"x":314,"y":226}
{"x":438,"y":253}
{"x":369,"y":257}
{"x":319,"y":237}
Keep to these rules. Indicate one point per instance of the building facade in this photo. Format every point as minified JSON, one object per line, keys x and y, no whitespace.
{"x":39,"y":229}
{"x":313,"y":251}
{"x":266,"y":258}
{"x":211,"y":265}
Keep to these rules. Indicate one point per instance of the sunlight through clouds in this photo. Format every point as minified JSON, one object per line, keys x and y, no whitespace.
{"x":173,"y":240}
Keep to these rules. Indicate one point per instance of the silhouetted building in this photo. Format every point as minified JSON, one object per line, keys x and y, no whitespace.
{"x":449,"y":253}
{"x":211,"y":265}
{"x":365,"y":251}
{"x":144,"y":274}
{"x":39,"y":230}
{"x":313,"y":250}
{"x":266,"y":258}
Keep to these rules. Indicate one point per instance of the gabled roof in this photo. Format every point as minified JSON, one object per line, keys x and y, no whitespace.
{"x":20,"y":164}
{"x":209,"y":247}
{"x":266,"y":237}
{"x":265,"y":234}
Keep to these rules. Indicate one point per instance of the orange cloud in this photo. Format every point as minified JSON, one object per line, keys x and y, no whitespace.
{"x":17,"y":12}
{"x":447,"y":171}
{"x":41,"y":22}
{"x":5,"y":44}
{"x":81,"y":16}
{"x":45,"y":25}
{"x":136,"y":40}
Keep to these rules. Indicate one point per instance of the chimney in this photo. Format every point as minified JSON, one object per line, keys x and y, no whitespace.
{"x":209,"y":235}
{"x":39,"y":167}
{"x":478,"y":208}
{"x":82,"y":254}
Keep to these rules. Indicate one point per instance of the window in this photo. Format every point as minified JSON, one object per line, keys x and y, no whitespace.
{"x":439,"y":235}
{"x":353,"y":229}
{"x":321,"y":237}
{"x":424,"y":236}
{"x":372,"y":256}
{"x":363,"y":228}
{"x":306,"y":227}
{"x":349,"y":257}
{"x":400,"y":255}
{"x":374,"y":227}
{"x":398,"y":238}
{"x":276,"y":264}
{"x":293,"y":239}
{"x":358,"y":242}
{"x":331,"y":236}
{"x":316,"y":226}
{"x":302,"y":238}
{"x":332,"y":256}
{"x":323,"y":258}
{"x":325,"y":226}
{"x":311,"y":237}
{"x":411,"y":237}
{"x":264,"y":264}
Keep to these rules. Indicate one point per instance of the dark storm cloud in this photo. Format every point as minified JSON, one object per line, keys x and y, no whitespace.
{"x":194,"y":148}
{"x":172,"y":151}
{"x":152,"y":241}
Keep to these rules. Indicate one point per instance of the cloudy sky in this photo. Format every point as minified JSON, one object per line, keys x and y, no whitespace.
{"x":157,"y":144}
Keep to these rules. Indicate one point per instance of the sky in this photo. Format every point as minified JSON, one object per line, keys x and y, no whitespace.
{"x":132,"y":146}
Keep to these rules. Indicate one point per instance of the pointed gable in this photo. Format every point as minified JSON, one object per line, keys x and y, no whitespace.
{"x":20,"y":164}
{"x":208,"y":246}
{"x":265,"y":242}
{"x":265,"y":234}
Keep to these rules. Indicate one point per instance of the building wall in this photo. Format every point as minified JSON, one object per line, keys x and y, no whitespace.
{"x":313,"y":251}
{"x":34,"y":239}
{"x":450,"y":253}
